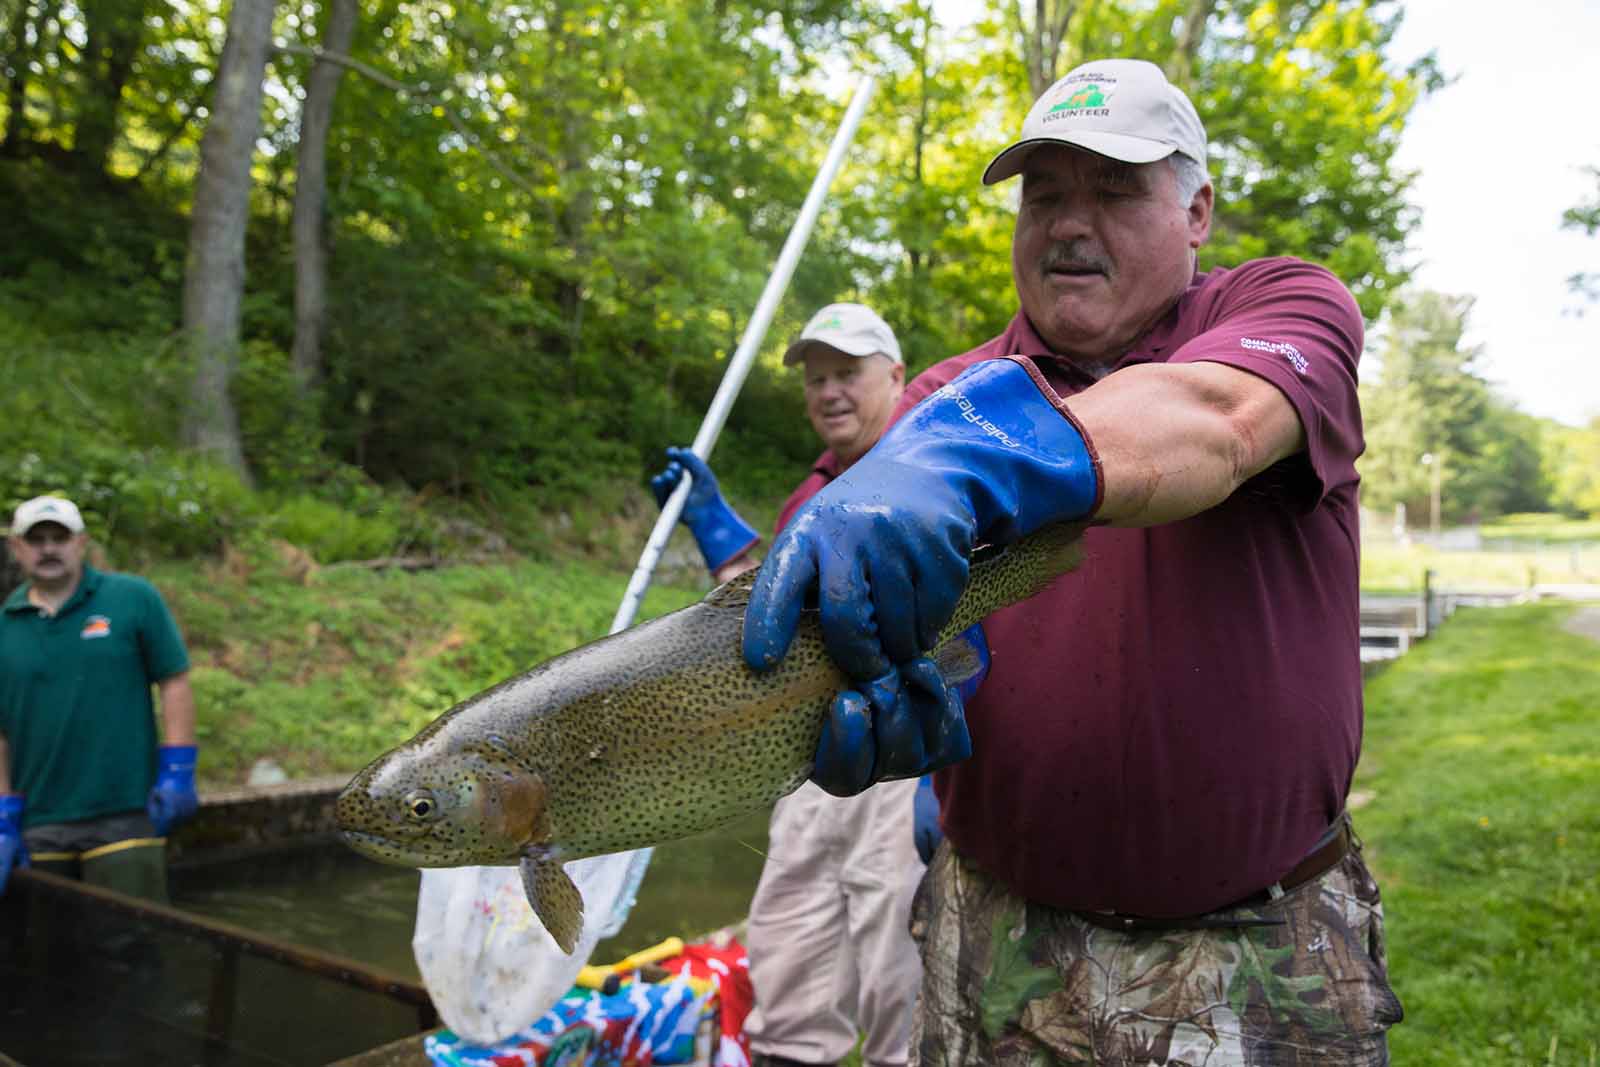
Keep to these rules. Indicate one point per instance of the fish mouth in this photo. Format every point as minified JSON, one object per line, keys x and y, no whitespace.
{"x":387,"y":850}
{"x":369,"y":844}
{"x":400,"y":854}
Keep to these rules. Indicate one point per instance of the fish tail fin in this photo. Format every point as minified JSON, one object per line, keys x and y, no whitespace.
{"x":1000,"y":577}
{"x":554,"y":899}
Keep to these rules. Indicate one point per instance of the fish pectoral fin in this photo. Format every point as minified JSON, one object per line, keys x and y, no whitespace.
{"x":958,"y":660}
{"x":554,"y":899}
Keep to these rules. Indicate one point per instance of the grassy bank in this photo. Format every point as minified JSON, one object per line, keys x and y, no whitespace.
{"x":1481,"y":758}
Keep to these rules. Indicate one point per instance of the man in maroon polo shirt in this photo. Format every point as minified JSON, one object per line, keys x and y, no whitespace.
{"x":1147,"y":858}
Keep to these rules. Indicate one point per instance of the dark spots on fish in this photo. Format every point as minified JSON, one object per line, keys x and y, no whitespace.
{"x":654,"y":733}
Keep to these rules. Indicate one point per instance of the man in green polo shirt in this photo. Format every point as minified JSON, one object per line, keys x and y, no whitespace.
{"x":84,"y":788}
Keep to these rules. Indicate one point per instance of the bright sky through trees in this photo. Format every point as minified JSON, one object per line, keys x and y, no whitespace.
{"x":1500,"y":153}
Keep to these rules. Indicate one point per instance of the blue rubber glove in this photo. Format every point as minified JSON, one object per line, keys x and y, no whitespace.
{"x":719,"y":531}
{"x":925,"y":829}
{"x":13,"y":849}
{"x":884,"y":548}
{"x":172,"y":799}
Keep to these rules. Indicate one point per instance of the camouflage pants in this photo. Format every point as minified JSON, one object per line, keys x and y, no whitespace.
{"x":1007,"y":983}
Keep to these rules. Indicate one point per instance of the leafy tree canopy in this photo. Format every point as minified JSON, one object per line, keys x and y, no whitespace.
{"x":548,"y":221}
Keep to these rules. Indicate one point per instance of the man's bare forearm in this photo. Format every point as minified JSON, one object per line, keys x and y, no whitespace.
{"x":1177,"y":439}
{"x":177,"y":710}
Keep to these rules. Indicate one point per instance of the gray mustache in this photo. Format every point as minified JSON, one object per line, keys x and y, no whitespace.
{"x":1071,"y":256}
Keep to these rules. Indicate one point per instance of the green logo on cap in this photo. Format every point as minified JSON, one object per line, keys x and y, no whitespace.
{"x":1089,"y":96}
{"x":835,"y":323}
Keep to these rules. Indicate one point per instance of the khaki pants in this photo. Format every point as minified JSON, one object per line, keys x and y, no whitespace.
{"x":830,"y":955}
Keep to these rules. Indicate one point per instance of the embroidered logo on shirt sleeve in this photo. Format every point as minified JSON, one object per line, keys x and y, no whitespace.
{"x":1282,"y":348}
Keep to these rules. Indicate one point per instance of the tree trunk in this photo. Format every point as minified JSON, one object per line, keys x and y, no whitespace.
{"x":1180,"y":65}
{"x":213,"y":284}
{"x":310,"y":193}
{"x":1040,"y":40}
{"x":114,"y":33}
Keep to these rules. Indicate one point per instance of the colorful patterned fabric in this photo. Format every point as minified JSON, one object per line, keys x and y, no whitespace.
{"x":641,"y":1025}
{"x":1013,"y":984}
{"x":728,"y":970}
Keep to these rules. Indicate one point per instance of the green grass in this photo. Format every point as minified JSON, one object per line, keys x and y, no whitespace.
{"x":1482,"y":759}
{"x":1521,"y":551}
{"x":1390,"y":567}
{"x":1541,"y":529}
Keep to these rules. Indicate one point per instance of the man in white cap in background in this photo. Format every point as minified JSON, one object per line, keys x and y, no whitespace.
{"x":1147,"y":858}
{"x":85,"y":788}
{"x":854,"y":375}
{"x":830,"y":954}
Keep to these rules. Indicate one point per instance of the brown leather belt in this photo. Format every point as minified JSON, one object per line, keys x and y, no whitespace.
{"x":1336,"y":844}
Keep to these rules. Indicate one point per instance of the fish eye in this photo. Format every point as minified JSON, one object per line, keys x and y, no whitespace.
{"x":420,"y":804}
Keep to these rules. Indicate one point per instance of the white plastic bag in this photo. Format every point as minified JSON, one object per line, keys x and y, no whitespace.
{"x":488,"y":962}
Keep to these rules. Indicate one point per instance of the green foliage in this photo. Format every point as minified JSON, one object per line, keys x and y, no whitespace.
{"x":1483,"y":825}
{"x":546,"y":310}
{"x":544,"y":250}
{"x":924,"y":242}
{"x":1585,"y":216}
{"x":137,"y":504}
{"x":331,"y":532}
{"x":1304,"y":113}
{"x":280,"y":427}
{"x":89,"y":258}
{"x":1572,"y":466}
{"x":1429,"y":400}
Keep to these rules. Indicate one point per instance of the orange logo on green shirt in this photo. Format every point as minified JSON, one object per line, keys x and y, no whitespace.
{"x":95,"y":626}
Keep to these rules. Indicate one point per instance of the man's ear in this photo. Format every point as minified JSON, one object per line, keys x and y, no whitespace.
{"x":1200,"y":215}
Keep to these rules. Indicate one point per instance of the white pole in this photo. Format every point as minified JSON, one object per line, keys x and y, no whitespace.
{"x":739,"y":366}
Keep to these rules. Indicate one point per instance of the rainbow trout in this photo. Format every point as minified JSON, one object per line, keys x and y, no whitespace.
{"x":655,"y":733}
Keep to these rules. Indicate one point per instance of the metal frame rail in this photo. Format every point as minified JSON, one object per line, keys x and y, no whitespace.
{"x":233,"y":940}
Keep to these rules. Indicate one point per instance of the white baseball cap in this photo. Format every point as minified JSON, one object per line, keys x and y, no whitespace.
{"x":854,"y":329}
{"x":46,"y":509}
{"x":1121,"y":108}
